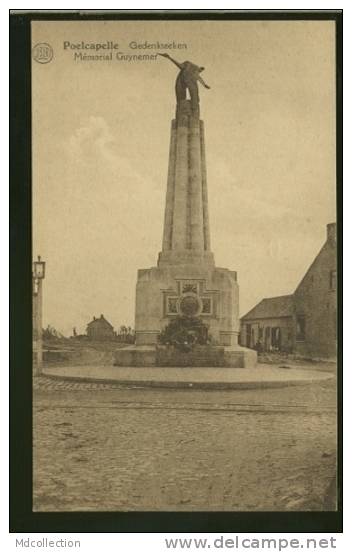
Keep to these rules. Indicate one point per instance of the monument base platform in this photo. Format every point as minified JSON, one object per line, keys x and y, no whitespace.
{"x":261,"y":377}
{"x":149,"y":356}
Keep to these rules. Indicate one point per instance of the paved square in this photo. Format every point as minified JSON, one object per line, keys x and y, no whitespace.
{"x":100,"y":447}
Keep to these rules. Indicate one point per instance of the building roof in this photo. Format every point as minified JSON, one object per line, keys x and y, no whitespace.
{"x":330,"y":242}
{"x":100,"y":322}
{"x":271,"y":307}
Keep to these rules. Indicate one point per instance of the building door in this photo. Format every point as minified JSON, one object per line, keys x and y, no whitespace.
{"x":267,"y":343}
{"x":248,"y":335}
{"x":276,"y":338}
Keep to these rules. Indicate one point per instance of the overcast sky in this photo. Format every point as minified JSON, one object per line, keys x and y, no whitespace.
{"x":100,"y":152}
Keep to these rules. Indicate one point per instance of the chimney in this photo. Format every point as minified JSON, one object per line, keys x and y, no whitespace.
{"x":331,"y":233}
{"x":101,"y":316}
{"x":93,"y":317}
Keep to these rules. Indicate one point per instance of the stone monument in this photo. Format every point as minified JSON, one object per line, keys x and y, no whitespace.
{"x":186,"y":281}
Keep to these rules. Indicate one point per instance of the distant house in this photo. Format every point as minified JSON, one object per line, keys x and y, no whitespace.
{"x":100,"y":329}
{"x":304,"y":322}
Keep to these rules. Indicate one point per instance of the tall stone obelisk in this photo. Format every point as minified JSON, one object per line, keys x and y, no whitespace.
{"x":185,"y":281}
{"x":186,"y":237}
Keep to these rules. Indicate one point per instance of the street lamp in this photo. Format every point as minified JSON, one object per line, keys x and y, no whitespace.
{"x":39,"y":268}
{"x":38,"y":275}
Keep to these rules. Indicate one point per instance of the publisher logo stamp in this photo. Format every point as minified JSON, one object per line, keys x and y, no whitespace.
{"x":42,"y":53}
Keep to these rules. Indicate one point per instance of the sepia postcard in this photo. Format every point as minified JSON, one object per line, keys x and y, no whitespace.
{"x":185,"y":264}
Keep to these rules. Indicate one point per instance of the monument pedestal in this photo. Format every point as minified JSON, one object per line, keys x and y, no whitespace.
{"x":197,"y":290}
{"x":186,"y":282}
{"x":214,"y":357}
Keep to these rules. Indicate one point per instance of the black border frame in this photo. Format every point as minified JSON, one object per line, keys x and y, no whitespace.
{"x":22,"y":519}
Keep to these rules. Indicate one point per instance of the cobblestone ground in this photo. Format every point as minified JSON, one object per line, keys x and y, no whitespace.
{"x":102,"y":447}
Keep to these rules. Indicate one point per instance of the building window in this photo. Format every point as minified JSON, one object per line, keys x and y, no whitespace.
{"x":332,"y":283}
{"x":300,"y":328}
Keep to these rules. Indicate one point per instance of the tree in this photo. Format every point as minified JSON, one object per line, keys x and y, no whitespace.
{"x":50,"y":333}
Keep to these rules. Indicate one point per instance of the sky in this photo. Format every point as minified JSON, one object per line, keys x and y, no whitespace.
{"x":100,"y":144}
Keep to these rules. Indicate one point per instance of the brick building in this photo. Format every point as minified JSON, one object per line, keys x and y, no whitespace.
{"x":100,"y":329}
{"x":304,"y":322}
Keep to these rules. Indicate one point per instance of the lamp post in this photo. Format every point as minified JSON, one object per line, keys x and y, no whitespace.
{"x":38,"y":275}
